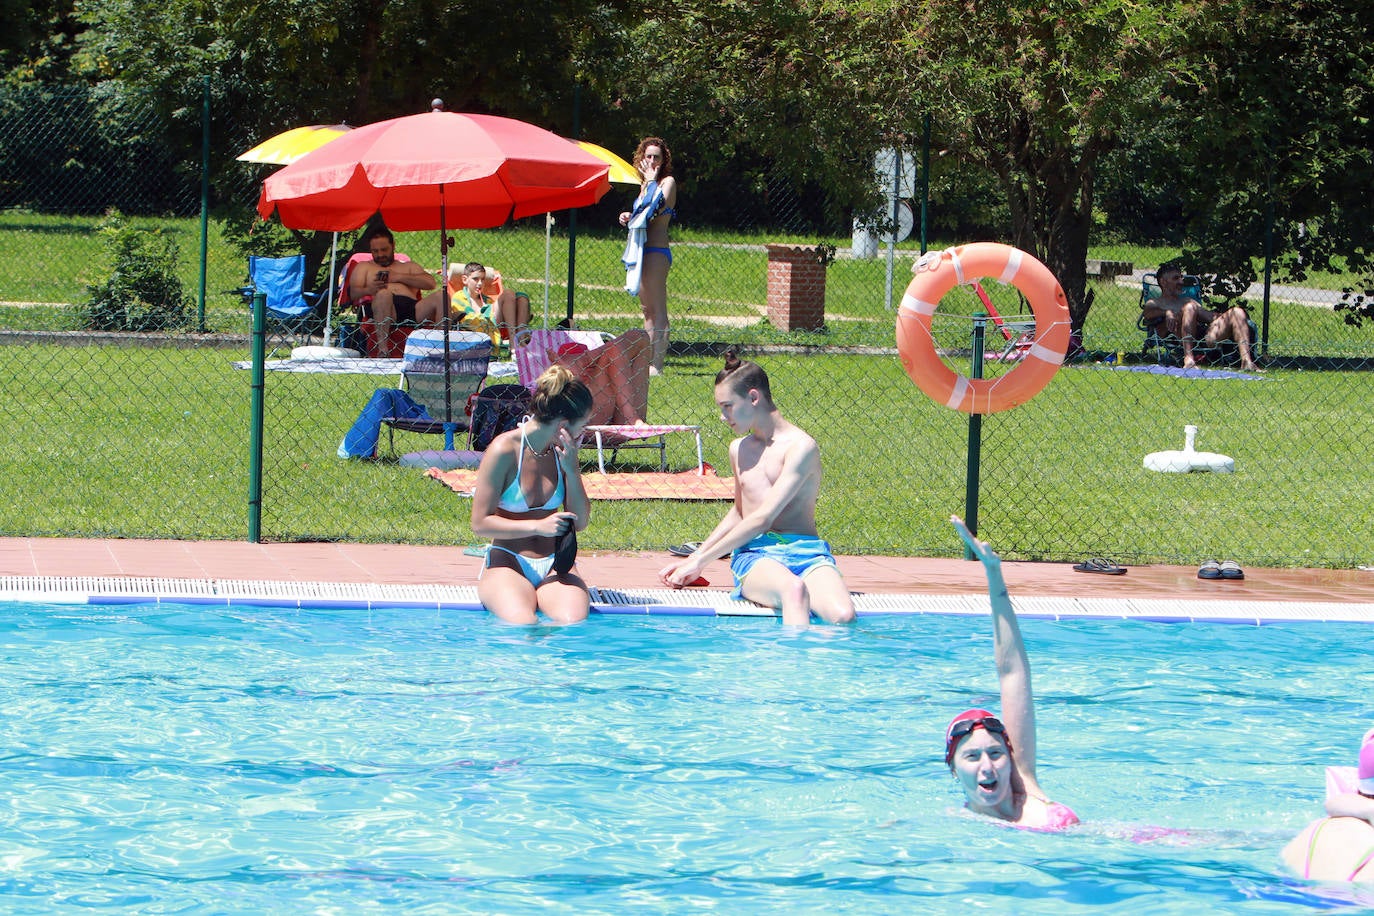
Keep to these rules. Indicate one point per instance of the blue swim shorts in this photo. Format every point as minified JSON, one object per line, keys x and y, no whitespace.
{"x":800,"y":553}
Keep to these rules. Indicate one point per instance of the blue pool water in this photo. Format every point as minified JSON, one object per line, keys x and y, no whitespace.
{"x":179,"y":759}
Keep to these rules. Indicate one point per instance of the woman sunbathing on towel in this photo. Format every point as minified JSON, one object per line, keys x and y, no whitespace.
{"x":530,"y":501}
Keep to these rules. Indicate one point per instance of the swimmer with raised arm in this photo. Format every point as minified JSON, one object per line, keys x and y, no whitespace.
{"x":994,"y":759}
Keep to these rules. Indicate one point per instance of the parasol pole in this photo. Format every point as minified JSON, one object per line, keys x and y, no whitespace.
{"x":443,"y":281}
{"x":548,"y":238}
{"x":329,"y":303}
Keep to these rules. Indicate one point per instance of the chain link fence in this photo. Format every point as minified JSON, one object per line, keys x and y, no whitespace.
{"x":121,"y":433}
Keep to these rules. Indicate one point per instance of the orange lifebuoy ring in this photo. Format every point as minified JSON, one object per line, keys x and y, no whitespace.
{"x":936,"y":273}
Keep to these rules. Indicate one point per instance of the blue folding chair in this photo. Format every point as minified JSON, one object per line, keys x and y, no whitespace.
{"x":292,"y":312}
{"x":1165,"y":348}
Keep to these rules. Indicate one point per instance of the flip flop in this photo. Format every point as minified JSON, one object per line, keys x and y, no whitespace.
{"x":1100,"y":565}
{"x":684,"y":550}
{"x":1230,"y":569}
{"x":1209,"y":570}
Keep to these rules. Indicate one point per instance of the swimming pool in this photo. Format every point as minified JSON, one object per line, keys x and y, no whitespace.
{"x":179,"y":758}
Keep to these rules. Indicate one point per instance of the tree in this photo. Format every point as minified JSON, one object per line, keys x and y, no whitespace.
{"x":37,"y":38}
{"x":1035,"y":94}
{"x":294,"y":62}
{"x":1274,"y":149}
{"x":1039,"y":95}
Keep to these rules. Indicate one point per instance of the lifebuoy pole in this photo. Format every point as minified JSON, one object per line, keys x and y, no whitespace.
{"x":973,"y":469}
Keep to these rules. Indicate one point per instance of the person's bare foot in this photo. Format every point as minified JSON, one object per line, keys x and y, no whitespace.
{"x":1190,"y":363}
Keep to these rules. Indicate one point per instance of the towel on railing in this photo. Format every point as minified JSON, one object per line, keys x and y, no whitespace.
{"x":649,"y":202}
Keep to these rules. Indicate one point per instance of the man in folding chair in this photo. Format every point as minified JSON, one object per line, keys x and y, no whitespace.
{"x":387,"y":289}
{"x":1184,"y":317}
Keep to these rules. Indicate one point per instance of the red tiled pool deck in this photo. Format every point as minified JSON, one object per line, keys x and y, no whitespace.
{"x":397,"y":564}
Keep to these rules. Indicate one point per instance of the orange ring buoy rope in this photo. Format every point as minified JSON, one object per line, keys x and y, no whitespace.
{"x":936,"y":273}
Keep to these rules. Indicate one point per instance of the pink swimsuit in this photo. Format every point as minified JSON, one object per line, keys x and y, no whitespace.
{"x":1057,"y":817}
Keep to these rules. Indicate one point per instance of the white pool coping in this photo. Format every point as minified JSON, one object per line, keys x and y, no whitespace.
{"x":110,"y":590}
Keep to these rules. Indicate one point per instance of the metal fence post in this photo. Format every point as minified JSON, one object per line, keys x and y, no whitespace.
{"x":204,"y":200}
{"x":255,"y":433}
{"x":972,"y":471}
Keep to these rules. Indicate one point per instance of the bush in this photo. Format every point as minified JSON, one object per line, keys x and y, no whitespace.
{"x":143,"y":292}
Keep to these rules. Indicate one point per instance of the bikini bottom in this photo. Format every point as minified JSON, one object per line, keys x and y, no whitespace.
{"x":535,"y":569}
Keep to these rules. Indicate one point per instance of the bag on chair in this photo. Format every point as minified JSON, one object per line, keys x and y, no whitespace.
{"x":496,"y":409}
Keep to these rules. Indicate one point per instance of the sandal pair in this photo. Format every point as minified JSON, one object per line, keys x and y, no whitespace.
{"x":1100,"y":565}
{"x":1226,"y":569}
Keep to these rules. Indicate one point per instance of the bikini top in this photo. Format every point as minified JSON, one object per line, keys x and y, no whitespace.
{"x":513,"y":498}
{"x":652,"y":197}
{"x":1312,"y":851}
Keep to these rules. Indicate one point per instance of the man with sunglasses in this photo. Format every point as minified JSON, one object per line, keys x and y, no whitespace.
{"x":994,"y":759}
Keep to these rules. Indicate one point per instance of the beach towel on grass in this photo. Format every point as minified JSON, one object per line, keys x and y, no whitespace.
{"x":686,"y":485}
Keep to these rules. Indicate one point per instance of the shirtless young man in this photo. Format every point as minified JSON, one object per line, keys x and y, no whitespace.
{"x":1184,"y":317}
{"x":777,"y":559}
{"x":385,"y":288}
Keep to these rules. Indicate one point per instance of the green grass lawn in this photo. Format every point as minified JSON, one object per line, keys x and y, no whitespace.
{"x":135,"y":441}
{"x":718,"y":280}
{"x":125,"y":440}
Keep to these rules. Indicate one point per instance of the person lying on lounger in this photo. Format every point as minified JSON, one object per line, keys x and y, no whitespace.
{"x":617,"y":372}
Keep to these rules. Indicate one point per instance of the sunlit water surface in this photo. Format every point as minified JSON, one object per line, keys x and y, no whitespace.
{"x":176,"y":759}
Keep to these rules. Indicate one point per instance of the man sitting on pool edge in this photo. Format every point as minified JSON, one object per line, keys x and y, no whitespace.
{"x":778,"y":559}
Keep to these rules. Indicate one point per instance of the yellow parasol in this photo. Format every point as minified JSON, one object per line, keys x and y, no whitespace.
{"x":285,"y":148}
{"x":621,"y":171}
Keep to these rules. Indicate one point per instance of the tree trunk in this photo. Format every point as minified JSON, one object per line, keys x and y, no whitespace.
{"x":367,"y":61}
{"x":1051,"y":214}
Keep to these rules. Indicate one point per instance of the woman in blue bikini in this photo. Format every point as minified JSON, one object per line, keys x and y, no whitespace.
{"x":647,"y":256}
{"x":529,"y":498}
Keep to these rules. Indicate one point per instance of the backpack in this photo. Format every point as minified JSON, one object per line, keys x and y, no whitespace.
{"x":496,"y":409}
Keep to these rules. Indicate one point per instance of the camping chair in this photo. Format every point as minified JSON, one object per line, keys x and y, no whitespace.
{"x":533,"y":357}
{"x":1167,"y":349}
{"x":422,"y":376}
{"x":1018,"y":331}
{"x":369,"y":345}
{"x":290,"y":309}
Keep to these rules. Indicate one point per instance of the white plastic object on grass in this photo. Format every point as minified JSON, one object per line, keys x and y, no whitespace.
{"x":323,"y":353}
{"x":1188,"y":460}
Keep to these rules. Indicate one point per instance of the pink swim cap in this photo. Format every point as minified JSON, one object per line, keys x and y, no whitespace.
{"x":1366,"y":768}
{"x":960,"y":726}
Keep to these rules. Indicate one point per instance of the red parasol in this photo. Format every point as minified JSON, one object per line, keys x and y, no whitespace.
{"x":439,"y":170}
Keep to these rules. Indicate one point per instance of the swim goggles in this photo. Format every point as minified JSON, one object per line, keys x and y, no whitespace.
{"x":961,"y":728}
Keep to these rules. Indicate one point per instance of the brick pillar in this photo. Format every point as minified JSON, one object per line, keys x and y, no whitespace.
{"x":796,"y":288}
